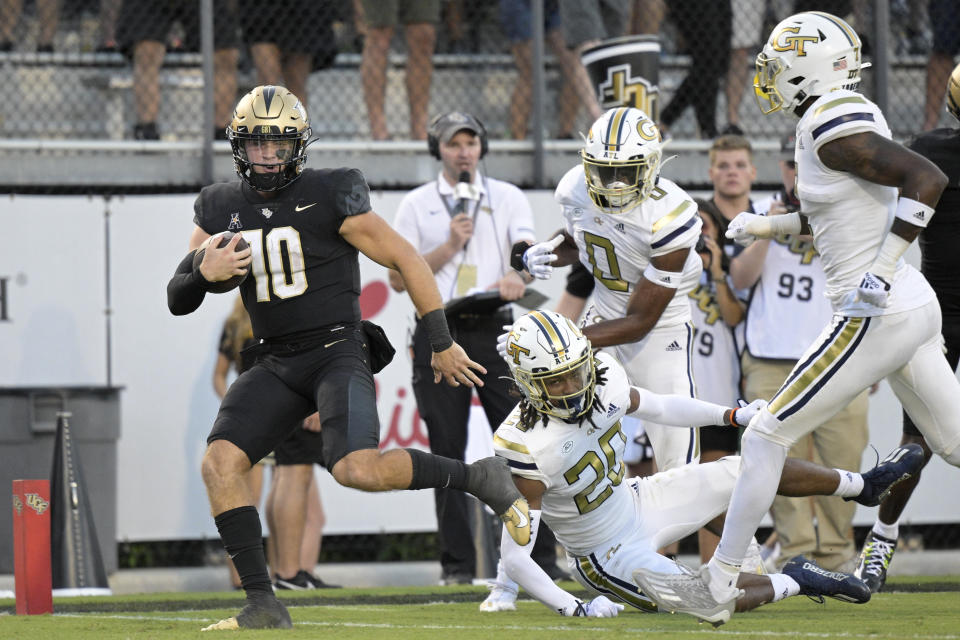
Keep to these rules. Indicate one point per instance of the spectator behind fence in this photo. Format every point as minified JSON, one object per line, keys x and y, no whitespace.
{"x":469,"y":253}
{"x":646,"y":16}
{"x":48,"y":15}
{"x":379,"y":19}
{"x":746,"y":34}
{"x":786,"y":311}
{"x":704,"y":26}
{"x":289,"y":40}
{"x":143,"y":31}
{"x":945,"y":19}
{"x":585,"y":23}
{"x":515,"y":19}
{"x":109,"y":15}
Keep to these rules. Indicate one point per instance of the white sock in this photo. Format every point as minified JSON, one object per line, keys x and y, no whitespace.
{"x":888,"y":531}
{"x":851,"y":484}
{"x":783,"y":586}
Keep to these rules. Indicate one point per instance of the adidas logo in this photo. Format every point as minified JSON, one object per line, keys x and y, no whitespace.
{"x":620,"y":227}
{"x":612,"y":409}
{"x":919,"y":215}
{"x":674,"y":346}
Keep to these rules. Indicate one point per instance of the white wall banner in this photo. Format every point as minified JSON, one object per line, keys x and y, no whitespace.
{"x":52,"y":332}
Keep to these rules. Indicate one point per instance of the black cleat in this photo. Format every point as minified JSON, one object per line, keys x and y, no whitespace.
{"x":817,"y":582}
{"x":303,"y":581}
{"x":874,"y":560}
{"x":899,"y":465}
{"x":490,"y":480}
{"x":260,"y":613}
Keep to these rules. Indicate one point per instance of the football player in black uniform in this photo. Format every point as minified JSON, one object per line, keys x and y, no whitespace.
{"x":939,"y":263}
{"x":305,"y":228}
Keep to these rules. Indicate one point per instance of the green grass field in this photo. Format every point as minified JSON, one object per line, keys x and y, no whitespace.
{"x":920,"y":608}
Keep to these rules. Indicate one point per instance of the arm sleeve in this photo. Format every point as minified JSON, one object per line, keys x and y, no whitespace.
{"x":524,"y":571}
{"x":677,"y":411}
{"x":184,"y":293}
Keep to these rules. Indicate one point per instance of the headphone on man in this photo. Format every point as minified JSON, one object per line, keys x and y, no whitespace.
{"x":443,"y":121}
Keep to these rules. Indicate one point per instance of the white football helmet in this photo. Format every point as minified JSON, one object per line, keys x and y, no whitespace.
{"x":621,"y":159}
{"x":552,"y":362}
{"x":808,"y":54}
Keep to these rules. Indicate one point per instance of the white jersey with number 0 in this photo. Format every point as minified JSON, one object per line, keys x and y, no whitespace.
{"x":617,"y":248}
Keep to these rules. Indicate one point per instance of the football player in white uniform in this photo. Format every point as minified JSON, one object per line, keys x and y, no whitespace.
{"x":634,"y":230}
{"x":564,"y":445}
{"x":887,"y":320}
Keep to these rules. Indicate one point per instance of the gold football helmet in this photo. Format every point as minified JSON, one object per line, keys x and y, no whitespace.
{"x":269,"y":134}
{"x":953,"y":93}
{"x":621,"y":159}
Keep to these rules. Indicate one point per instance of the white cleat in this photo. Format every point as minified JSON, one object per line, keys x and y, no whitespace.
{"x":686,"y":592}
{"x":502,"y":597}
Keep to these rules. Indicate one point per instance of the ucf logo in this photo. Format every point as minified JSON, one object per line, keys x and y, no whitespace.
{"x":36,"y":502}
{"x":706,"y":303}
{"x":784,"y":42}
{"x":621,"y":89}
{"x":17,"y":504}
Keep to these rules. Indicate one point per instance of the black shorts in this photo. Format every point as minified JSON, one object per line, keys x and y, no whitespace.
{"x":330,"y":374}
{"x":300,"y":447}
{"x":724,"y":439}
{"x":150,"y":20}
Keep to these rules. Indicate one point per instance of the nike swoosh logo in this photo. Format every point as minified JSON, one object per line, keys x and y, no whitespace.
{"x":330,"y":344}
{"x":299,"y":208}
{"x":521,"y":519}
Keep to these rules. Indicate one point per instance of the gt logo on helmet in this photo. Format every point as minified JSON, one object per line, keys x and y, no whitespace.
{"x":782,"y":42}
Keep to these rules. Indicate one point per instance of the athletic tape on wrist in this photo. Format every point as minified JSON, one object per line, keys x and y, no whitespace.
{"x":668,"y":279}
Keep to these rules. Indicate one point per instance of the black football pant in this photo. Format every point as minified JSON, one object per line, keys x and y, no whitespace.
{"x":446,"y":411}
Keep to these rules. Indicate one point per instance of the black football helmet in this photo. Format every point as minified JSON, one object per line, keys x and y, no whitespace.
{"x":269,"y":117}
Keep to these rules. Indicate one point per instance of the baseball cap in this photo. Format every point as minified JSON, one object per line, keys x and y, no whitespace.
{"x":788,"y":144}
{"x":449,"y":124}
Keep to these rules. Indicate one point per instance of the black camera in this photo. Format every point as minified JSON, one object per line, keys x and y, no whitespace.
{"x":701,"y":246}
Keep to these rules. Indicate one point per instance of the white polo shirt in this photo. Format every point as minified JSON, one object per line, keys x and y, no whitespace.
{"x":502,"y":217}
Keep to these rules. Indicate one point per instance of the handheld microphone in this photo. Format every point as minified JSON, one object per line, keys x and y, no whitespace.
{"x":463,"y":191}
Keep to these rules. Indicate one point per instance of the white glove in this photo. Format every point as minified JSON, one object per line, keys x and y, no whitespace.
{"x":602,"y":607}
{"x":537,"y":259}
{"x":747,"y":227}
{"x":502,"y":341}
{"x":741,"y":417}
{"x":874,"y":290}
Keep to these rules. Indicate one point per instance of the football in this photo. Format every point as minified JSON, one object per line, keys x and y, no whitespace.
{"x":223,"y":285}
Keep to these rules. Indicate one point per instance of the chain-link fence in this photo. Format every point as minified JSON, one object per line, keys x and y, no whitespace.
{"x":114,"y":69}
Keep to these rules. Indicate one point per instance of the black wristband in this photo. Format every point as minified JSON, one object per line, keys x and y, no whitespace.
{"x":438,"y":333}
{"x":516,"y":255}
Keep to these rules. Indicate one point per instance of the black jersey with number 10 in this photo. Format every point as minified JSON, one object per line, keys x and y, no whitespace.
{"x":304,"y":274}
